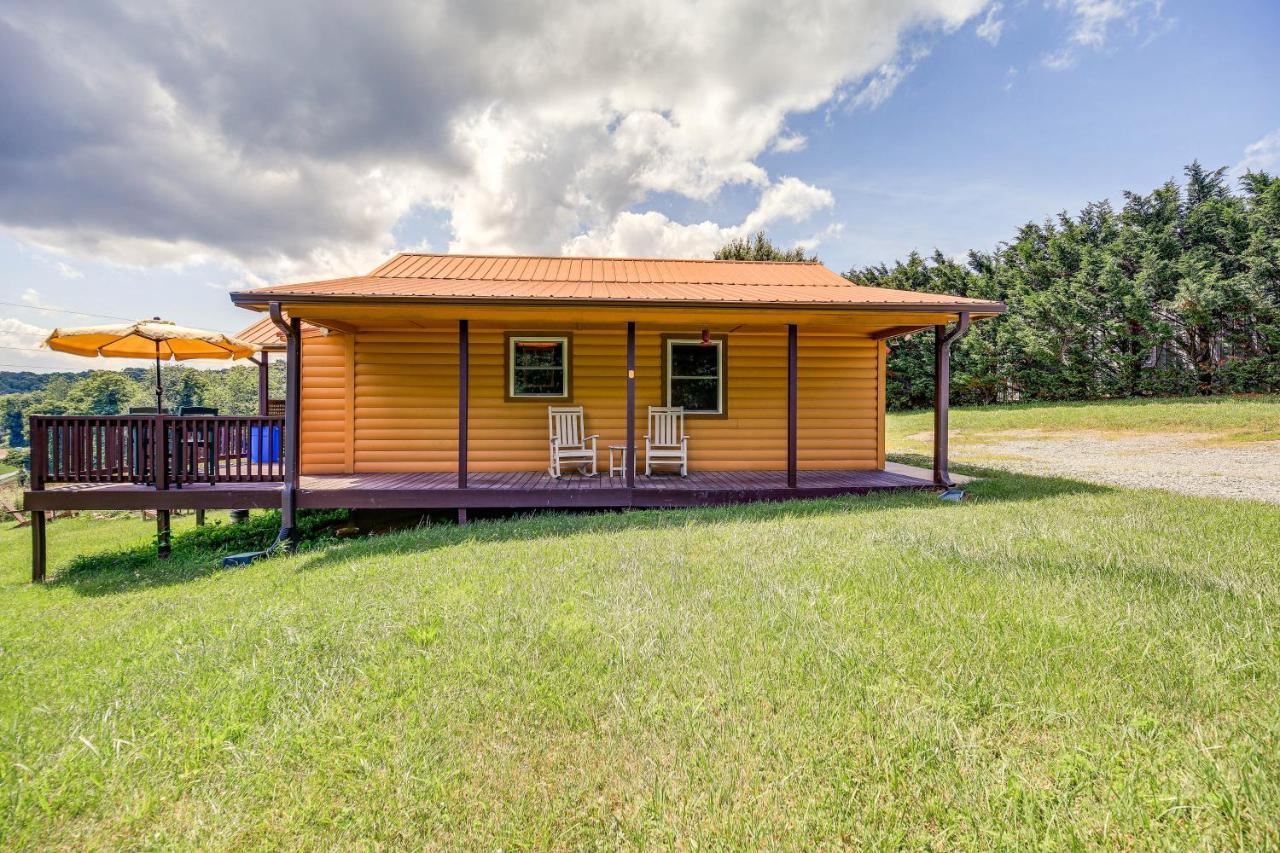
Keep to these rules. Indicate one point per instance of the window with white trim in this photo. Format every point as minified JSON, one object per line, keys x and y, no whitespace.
{"x":538,"y":367}
{"x":695,"y":375}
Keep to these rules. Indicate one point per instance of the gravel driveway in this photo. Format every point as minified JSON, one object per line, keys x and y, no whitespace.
{"x":1177,"y":462}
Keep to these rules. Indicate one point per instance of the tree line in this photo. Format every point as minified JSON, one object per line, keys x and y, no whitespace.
{"x":1178,"y":292}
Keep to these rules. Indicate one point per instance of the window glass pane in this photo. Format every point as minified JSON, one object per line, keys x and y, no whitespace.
{"x":696,"y":395}
{"x":539,"y":353}
{"x":694,"y":360}
{"x":538,"y":381}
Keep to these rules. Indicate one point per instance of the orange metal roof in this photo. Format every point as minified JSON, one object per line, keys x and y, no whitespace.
{"x":263,"y":333}
{"x":643,"y":280}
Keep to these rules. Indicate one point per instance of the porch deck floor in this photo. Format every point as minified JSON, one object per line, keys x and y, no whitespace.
{"x":484,"y":490}
{"x":696,"y":481}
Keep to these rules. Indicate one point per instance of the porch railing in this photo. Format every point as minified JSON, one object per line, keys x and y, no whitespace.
{"x":161,"y":451}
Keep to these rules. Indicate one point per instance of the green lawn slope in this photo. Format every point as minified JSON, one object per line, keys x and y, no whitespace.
{"x":1046,"y":664}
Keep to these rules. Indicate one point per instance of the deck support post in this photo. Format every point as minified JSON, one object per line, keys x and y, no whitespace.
{"x":793,"y":370}
{"x":942,"y":341}
{"x":39,"y":462}
{"x":199,"y":518}
{"x":292,"y":330}
{"x":464,"y":381}
{"x":629,"y":456}
{"x":163,"y":541}
{"x":38,"y":558}
{"x":264,"y":382}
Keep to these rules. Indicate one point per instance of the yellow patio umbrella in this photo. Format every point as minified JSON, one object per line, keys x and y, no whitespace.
{"x":155,"y":338}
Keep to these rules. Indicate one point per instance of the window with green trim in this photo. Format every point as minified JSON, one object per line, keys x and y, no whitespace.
{"x":538,"y":367}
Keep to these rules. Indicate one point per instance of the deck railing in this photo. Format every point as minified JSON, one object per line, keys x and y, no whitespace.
{"x":162,"y":451}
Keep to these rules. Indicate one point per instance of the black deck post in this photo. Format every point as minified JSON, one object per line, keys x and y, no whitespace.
{"x":264,"y":382}
{"x":793,"y":370}
{"x":629,"y":457}
{"x":163,"y":540}
{"x":942,"y":341}
{"x":38,"y":558}
{"x":464,"y":379}
{"x":292,"y":330}
{"x":167,"y":456}
{"x":39,"y":461}
{"x":464,"y":396}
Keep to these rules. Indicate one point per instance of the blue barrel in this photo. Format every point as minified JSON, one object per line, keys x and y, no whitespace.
{"x":264,"y":444}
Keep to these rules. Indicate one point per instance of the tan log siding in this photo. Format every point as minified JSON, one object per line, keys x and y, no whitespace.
{"x":838,"y":402}
{"x":405,"y":402}
{"x":325,"y":415}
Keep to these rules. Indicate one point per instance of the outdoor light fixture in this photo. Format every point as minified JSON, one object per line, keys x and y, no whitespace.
{"x":706,"y":337}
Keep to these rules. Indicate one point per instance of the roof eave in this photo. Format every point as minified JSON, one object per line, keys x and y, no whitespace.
{"x":258,"y":300}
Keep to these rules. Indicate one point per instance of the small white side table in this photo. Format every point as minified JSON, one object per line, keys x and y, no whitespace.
{"x":618,"y":468}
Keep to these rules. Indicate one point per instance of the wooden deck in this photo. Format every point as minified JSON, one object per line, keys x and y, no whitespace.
{"x":484,"y":491}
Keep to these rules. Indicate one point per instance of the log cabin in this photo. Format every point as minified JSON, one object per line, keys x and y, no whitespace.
{"x":434,"y":382}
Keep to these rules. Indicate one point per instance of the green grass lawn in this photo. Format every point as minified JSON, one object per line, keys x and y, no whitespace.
{"x":1225,"y":419}
{"x":1047,"y":664}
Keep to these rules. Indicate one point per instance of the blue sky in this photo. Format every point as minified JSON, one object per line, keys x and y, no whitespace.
{"x":932,"y":135}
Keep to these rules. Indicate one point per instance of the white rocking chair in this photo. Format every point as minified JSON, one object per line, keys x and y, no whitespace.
{"x":569,"y":447}
{"x":666,"y":443}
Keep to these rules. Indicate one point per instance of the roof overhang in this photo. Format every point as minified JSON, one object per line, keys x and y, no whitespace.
{"x":258,"y":301}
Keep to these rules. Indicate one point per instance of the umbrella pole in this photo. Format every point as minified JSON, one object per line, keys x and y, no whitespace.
{"x":159,"y":390}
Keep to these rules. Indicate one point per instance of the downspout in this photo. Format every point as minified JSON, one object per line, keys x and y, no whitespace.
{"x":942,"y":395}
{"x":288,"y":495}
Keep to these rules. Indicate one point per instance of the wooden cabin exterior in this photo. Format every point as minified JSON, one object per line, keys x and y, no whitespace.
{"x":426,"y":384}
{"x":380,"y":391}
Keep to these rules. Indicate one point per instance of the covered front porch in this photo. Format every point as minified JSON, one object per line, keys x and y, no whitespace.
{"x":167,"y":463}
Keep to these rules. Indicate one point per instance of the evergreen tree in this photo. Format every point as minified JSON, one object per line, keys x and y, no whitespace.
{"x":760,"y":248}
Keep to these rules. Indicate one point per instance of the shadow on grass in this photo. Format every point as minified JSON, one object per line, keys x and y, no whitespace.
{"x":197,"y":553}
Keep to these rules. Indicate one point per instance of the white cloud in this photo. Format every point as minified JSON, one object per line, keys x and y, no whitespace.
{"x":886,"y":80}
{"x":20,"y":345}
{"x":654,"y":234}
{"x":789,"y":199}
{"x":1092,"y":22}
{"x":24,"y":334}
{"x":176,"y":133}
{"x":790,"y":143}
{"x":991,"y":27}
{"x":1261,"y":156}
{"x":832,"y":231}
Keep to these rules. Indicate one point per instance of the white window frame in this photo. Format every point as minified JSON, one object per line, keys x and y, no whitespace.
{"x":718,"y":343}
{"x":563,"y":340}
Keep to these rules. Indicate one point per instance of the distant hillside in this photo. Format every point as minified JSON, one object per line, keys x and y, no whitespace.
{"x":22,"y":381}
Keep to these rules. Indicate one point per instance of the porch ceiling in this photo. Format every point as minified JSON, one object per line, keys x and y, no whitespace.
{"x":360,"y":317}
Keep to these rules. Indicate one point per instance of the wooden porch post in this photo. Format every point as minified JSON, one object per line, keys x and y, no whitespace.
{"x":629,"y":459}
{"x":292,"y":330}
{"x":464,"y":382}
{"x":464,"y":356}
{"x":942,"y":341}
{"x":793,"y":370}
{"x":264,"y":375}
